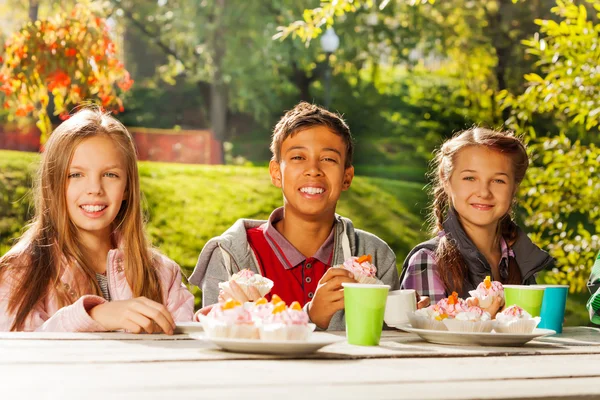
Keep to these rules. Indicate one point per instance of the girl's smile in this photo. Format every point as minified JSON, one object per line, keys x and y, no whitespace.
{"x":481,"y":187}
{"x":95,"y":185}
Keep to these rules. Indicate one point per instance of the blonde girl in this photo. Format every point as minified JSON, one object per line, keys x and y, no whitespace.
{"x":84,"y":263}
{"x":475,"y":179}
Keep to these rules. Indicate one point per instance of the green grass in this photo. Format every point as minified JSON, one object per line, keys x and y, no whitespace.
{"x":189,"y":204}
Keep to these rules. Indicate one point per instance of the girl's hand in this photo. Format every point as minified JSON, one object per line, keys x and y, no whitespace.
{"x":137,"y":315}
{"x":235,"y":292}
{"x":495,"y":308}
{"x":328,"y":297}
{"x":422,"y":301}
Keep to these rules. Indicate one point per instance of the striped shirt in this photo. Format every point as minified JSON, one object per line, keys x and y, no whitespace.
{"x":593,"y":304}
{"x":423,"y":276}
{"x":103,"y":283}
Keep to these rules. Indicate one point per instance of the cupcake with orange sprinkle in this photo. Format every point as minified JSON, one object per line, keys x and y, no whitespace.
{"x":430,"y":318}
{"x":229,"y":320}
{"x":285,"y":323}
{"x":362,"y":269}
{"x":487,"y":291}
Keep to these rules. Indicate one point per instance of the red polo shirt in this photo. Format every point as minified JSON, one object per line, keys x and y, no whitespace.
{"x":295,"y":277}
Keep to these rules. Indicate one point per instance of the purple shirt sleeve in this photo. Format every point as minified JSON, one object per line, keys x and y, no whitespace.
{"x":423,"y":277}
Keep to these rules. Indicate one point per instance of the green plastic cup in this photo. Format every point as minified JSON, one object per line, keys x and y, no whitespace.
{"x":364,"y":305}
{"x":529,"y":298}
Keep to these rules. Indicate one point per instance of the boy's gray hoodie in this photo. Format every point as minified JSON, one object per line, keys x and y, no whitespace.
{"x":225,"y":255}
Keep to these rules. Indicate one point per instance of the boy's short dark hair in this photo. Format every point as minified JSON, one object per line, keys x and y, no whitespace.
{"x":305,"y":116}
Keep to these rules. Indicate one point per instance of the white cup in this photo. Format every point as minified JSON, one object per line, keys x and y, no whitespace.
{"x":399,"y":304}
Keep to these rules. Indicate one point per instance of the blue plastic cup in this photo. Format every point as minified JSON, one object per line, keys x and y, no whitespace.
{"x":553,"y":307}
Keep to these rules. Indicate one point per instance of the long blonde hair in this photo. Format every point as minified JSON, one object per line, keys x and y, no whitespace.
{"x":52,"y":238}
{"x":451,"y":265}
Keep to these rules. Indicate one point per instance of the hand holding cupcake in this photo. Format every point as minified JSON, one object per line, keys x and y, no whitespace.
{"x":362,"y":269}
{"x":489,"y":295}
{"x":245,"y":286}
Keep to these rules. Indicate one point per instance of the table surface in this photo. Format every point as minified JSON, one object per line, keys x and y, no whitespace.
{"x":118,"y":365}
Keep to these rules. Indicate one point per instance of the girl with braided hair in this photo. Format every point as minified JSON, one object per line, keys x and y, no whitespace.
{"x":476,"y":175}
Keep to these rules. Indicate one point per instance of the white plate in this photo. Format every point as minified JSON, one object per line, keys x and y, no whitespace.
{"x":316,"y":341}
{"x":477,"y":338}
{"x":188,"y":327}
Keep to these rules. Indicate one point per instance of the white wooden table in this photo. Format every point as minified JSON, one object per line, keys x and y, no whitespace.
{"x":121,"y":366}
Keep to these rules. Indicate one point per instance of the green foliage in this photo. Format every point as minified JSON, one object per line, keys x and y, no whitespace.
{"x":561,"y":194}
{"x":16,"y":170}
{"x":566,"y":88}
{"x":164,"y":106}
{"x":189,"y":204}
{"x":561,"y":200}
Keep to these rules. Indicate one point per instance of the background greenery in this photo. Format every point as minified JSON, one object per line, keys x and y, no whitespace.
{"x":407,"y":75}
{"x":190,"y":204}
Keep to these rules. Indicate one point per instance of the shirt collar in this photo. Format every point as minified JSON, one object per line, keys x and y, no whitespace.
{"x":287,"y":254}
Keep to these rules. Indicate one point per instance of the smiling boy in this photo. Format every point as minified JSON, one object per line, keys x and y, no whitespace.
{"x":312,"y":164}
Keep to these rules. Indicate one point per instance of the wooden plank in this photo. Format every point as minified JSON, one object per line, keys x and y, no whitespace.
{"x":491,"y":378}
{"x":105,"y":351}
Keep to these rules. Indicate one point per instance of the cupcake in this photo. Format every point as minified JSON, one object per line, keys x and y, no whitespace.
{"x":261,"y":308}
{"x":515,"y":320}
{"x":246,"y":279}
{"x":452,"y":305}
{"x":487,"y":291}
{"x":469,"y":319}
{"x":229,"y":320}
{"x":362,"y":269}
{"x":286,"y":323}
{"x":428,"y":318}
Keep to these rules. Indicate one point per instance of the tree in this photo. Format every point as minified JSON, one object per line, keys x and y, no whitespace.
{"x":561,"y":192}
{"x":64,"y":59}
{"x":478,"y":40}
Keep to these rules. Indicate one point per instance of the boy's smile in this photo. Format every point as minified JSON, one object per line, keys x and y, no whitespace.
{"x":311,"y":172}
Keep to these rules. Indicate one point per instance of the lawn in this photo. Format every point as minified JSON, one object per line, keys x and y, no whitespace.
{"x":189,"y":204}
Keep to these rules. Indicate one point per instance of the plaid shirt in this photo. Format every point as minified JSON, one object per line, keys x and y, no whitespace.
{"x":423,"y":276}
{"x":593,"y":304}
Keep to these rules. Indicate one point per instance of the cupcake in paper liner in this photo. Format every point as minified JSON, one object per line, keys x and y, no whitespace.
{"x":362,"y":269}
{"x":229,"y":320}
{"x":515,"y":320}
{"x":428,"y":318}
{"x":472,"y":319}
{"x":247,"y":279}
{"x":286,"y":323}
{"x":261,"y":308}
{"x":487,"y":291}
{"x":452,"y":305}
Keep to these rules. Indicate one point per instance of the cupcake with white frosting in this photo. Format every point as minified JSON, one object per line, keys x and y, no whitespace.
{"x":487,"y":291}
{"x":246,"y":279}
{"x":515,"y":320}
{"x":362,"y":269}
{"x":229,"y":320}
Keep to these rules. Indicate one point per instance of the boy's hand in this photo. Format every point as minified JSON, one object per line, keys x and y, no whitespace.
{"x":137,"y":315}
{"x":328,"y":297}
{"x":203,"y":311}
{"x":497,"y":305}
{"x":235,"y":292}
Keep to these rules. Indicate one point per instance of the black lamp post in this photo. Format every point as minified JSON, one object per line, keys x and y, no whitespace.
{"x":329,"y":42}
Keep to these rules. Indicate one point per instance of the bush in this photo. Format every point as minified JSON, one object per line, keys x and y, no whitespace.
{"x":189,"y":204}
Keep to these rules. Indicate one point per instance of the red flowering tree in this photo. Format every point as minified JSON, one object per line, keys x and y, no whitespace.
{"x":71,"y":57}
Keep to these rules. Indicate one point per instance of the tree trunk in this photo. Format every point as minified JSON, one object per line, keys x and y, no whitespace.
{"x":302,"y":82}
{"x":218,"y":88}
{"x":501,"y":43}
{"x":34,"y":6}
